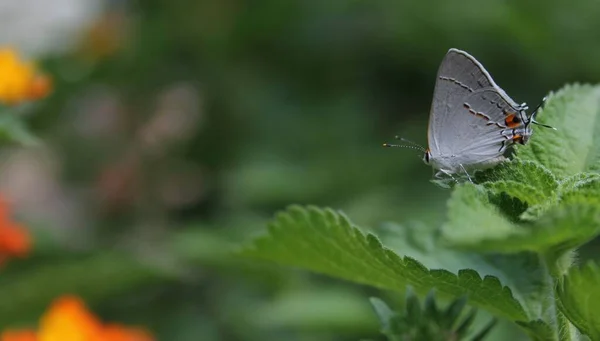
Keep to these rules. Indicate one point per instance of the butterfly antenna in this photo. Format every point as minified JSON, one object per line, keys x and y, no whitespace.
{"x":388,"y":145}
{"x":415,"y":145}
{"x":402,"y":146}
{"x":535,"y":112}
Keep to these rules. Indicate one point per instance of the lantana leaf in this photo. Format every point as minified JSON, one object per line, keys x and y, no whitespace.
{"x":325,"y":241}
{"x":474,"y":223}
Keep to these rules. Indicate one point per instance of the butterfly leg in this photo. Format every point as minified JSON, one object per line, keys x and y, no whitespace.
{"x":467,"y":173}
{"x":442,"y":172}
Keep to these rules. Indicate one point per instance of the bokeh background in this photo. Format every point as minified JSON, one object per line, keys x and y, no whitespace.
{"x":177,"y":128}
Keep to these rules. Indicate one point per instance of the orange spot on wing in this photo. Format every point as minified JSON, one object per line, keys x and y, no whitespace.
{"x":512,"y":121}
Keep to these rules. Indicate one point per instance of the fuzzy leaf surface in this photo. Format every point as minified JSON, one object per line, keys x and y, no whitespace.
{"x":575,"y":146}
{"x":326,"y":242}
{"x":475,"y":223}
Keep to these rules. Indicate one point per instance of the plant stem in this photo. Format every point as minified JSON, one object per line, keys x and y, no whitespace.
{"x":565,"y":330}
{"x":554,"y":271}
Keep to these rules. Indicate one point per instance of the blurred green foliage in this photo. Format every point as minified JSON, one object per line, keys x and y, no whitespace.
{"x":283,"y":102}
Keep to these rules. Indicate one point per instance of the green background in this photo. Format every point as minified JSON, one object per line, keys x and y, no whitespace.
{"x":212,"y":115}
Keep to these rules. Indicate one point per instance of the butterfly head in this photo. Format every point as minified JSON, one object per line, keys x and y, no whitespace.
{"x":427,"y":156}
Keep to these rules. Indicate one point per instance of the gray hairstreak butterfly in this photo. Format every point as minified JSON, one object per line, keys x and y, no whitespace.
{"x":472,"y":120}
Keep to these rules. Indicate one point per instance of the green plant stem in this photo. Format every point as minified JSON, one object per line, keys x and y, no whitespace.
{"x":555,"y":268}
{"x":566,"y":331}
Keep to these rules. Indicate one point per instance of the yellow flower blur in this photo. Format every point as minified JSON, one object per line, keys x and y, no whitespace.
{"x":19,"y":80}
{"x":68,"y":319}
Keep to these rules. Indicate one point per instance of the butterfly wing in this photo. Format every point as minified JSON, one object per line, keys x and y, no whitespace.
{"x":471,"y":119}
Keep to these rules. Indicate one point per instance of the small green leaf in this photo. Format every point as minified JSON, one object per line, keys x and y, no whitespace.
{"x":326,"y":242}
{"x":454,"y":310}
{"x":413,"y":306}
{"x":575,"y":146}
{"x":463,"y":327}
{"x":538,"y":330}
{"x":384,"y":313}
{"x":431,"y":309}
{"x":473,"y":219}
{"x":439,"y":325}
{"x":485,"y":331}
{"x":579,"y":298}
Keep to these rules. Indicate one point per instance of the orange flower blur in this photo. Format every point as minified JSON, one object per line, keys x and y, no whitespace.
{"x":19,"y":80}
{"x":68,"y":319}
{"x":14,"y":239}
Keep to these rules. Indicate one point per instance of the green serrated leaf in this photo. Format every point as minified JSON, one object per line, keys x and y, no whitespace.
{"x":575,"y":146}
{"x":573,"y":182}
{"x":326,"y":242}
{"x":552,"y":233}
{"x":519,"y":190}
{"x":579,"y":298}
{"x":525,"y":172}
{"x":485,"y":331}
{"x":522,"y":272}
{"x":582,"y":191}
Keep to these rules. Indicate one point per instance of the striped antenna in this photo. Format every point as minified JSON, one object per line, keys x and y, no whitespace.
{"x":411,"y":143}
{"x":403,"y":146}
